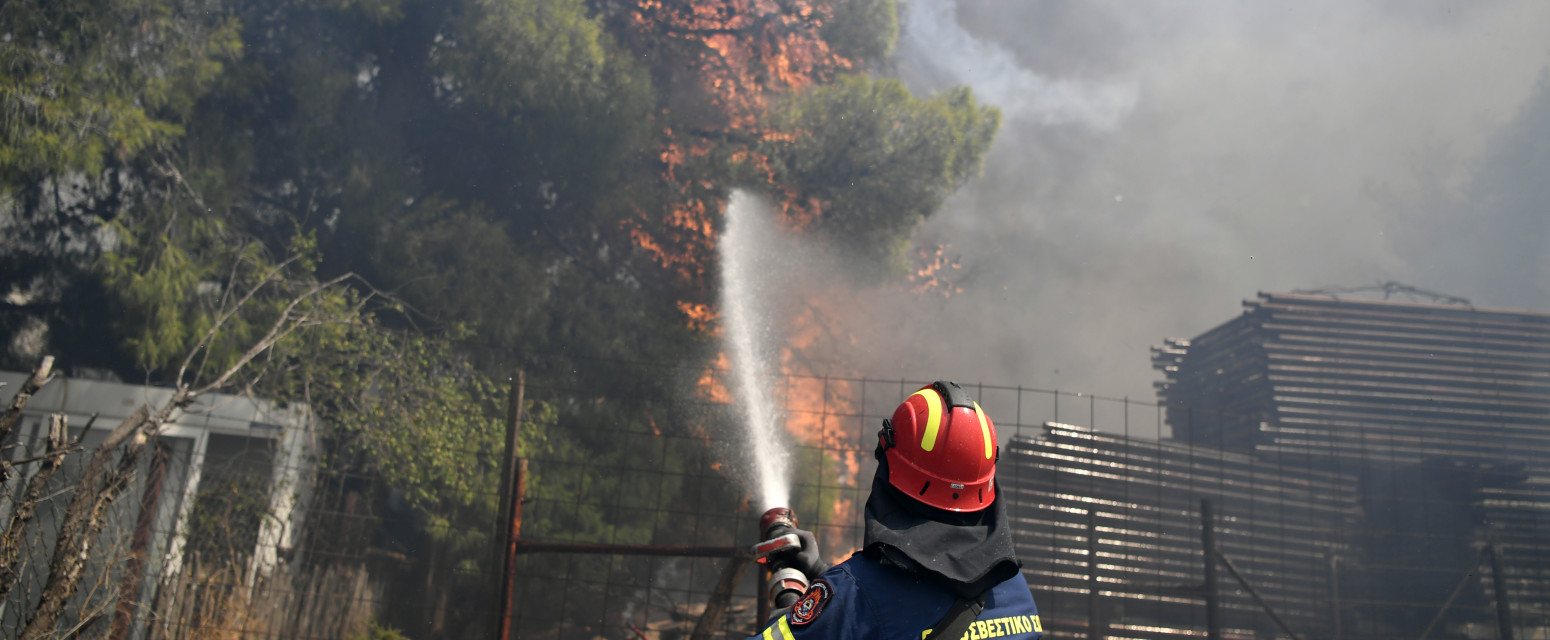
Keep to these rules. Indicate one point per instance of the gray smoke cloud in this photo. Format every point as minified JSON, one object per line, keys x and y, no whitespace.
{"x":1162,"y":161}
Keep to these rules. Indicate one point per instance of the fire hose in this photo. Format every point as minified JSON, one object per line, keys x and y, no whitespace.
{"x":781,"y":544}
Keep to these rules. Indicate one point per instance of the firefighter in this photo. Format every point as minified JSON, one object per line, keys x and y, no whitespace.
{"x":938,"y":557}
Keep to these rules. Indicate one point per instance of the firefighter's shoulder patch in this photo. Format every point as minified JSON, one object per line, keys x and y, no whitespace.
{"x":807,"y":609}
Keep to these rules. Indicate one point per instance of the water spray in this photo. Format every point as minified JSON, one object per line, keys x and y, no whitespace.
{"x":746,"y":256}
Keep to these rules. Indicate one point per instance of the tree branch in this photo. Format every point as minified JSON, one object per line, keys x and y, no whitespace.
{"x":277,"y":332}
{"x":59,"y":445}
{"x":40,"y":376}
{"x":227,"y":315}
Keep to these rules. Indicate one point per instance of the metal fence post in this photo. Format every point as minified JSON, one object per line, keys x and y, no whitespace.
{"x":1094,"y":614}
{"x":1499,"y":586}
{"x":513,"y":476}
{"x":1208,"y":541}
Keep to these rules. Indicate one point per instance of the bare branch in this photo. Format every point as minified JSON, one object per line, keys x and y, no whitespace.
{"x":231,"y":283}
{"x":13,"y":413}
{"x":68,"y":449}
{"x":177,"y":176}
{"x":282,"y":327}
{"x":226,"y":315}
{"x":78,"y":532}
{"x":128,"y":426}
{"x":103,"y":481}
{"x":57,"y":447}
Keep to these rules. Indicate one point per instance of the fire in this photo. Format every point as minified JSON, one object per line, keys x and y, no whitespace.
{"x":932,"y":273}
{"x":820,"y":410}
{"x":710,"y":385}
{"x":746,"y":49}
{"x":741,"y":54}
{"x":701,"y":318}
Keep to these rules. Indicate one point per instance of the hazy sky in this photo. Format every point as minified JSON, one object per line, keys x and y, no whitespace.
{"x":1160,"y":162}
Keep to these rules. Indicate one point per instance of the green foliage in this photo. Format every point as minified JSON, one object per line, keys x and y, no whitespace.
{"x":542,"y":102}
{"x":879,"y":159}
{"x":481,"y":161}
{"x":863,"y":30}
{"x":172,"y":279}
{"x":81,"y":81}
{"x":378,"y":631}
{"x":227,"y":515}
{"x":528,"y":56}
{"x":460,"y":264}
{"x":375,"y":11}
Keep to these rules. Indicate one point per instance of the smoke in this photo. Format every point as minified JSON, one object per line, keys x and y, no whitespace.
{"x":1161,"y":162}
{"x":936,"y":50}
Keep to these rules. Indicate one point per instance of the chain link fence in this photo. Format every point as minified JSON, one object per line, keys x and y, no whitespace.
{"x":228,"y":532}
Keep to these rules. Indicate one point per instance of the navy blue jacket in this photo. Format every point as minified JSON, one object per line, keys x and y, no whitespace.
{"x":862,"y":598}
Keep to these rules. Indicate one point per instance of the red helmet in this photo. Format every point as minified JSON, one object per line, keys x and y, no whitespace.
{"x":941,"y":449}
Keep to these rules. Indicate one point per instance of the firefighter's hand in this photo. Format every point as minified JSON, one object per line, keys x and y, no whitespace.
{"x":808,"y":560}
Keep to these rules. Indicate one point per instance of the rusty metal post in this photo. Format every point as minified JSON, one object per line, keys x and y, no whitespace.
{"x":1208,"y":540}
{"x":508,"y":465}
{"x":509,"y":563}
{"x":513,"y":479}
{"x":129,"y":585}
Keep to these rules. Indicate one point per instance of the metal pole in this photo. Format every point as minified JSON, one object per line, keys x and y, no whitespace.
{"x":1457,"y":589}
{"x":129,"y":586}
{"x":1094,"y":622}
{"x":1226,"y":562}
{"x":513,"y":481}
{"x":1499,"y":585}
{"x":509,"y":572}
{"x":508,"y":465}
{"x":1208,"y":541}
{"x":1334,"y":595}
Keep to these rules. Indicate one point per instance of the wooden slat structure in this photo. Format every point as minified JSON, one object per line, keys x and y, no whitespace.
{"x":1324,"y":376}
{"x":1442,"y":413}
{"x":1144,"y":497}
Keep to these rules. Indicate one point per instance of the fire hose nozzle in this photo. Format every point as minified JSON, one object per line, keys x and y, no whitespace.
{"x":763,"y":550}
{"x":779,"y":516}
{"x":786,"y":584}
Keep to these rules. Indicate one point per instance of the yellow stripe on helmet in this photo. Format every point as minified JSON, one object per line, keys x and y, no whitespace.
{"x":985,"y":430}
{"x":933,"y":417}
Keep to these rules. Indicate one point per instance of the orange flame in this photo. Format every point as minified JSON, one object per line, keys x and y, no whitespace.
{"x":701,"y":317}
{"x":710,"y":385}
{"x":741,"y":53}
{"x":933,"y":271}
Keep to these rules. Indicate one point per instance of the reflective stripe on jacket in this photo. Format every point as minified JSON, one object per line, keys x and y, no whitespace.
{"x":866,"y":599}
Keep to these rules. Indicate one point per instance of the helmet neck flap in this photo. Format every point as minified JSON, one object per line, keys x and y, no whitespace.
{"x":967,"y":552}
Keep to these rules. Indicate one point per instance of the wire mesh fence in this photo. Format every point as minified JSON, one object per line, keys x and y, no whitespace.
{"x":1106,"y":506}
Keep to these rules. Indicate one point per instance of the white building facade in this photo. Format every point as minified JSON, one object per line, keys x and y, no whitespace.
{"x":219,"y":439}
